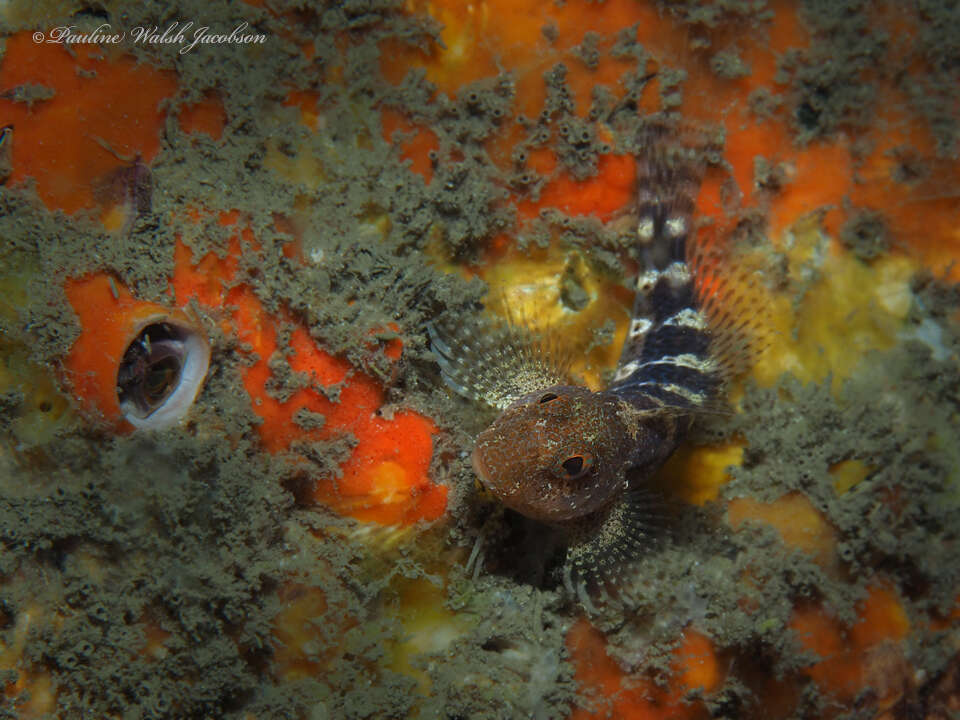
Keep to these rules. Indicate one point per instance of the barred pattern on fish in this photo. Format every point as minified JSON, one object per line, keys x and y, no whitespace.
{"x":559,"y":453}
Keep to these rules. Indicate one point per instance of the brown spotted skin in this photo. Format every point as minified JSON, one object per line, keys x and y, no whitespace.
{"x":561,"y":453}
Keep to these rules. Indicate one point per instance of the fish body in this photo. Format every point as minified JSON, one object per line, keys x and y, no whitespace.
{"x":560,"y":453}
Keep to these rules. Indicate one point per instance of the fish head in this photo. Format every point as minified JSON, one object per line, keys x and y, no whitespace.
{"x":555,"y":455}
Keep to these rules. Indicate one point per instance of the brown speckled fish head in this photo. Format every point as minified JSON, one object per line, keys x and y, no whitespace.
{"x":555,"y":455}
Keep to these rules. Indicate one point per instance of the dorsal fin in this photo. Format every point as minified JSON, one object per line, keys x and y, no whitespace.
{"x":731,"y":298}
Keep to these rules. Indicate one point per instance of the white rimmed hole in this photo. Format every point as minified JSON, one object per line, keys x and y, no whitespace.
{"x":161,"y":374}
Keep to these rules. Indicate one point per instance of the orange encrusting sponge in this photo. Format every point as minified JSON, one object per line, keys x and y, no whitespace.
{"x":794,"y":517}
{"x":110,"y":319}
{"x":851,"y":658}
{"x":417,"y":143}
{"x":602,"y":196}
{"x":492,"y":35}
{"x":499,"y":34}
{"x":622,"y":695}
{"x":62,"y":141}
{"x":206,"y":116}
{"x":831,"y":175}
{"x":865,"y":654}
{"x":385,"y":478}
{"x":303,"y":647}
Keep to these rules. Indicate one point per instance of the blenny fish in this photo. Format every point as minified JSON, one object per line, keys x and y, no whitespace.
{"x":559,"y":453}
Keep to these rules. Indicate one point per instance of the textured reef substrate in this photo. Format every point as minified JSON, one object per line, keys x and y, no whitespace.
{"x":310,"y":541}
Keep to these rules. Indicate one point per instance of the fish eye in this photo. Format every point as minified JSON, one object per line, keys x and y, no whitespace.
{"x":547,"y":397}
{"x":161,"y":373}
{"x":576,"y":466}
